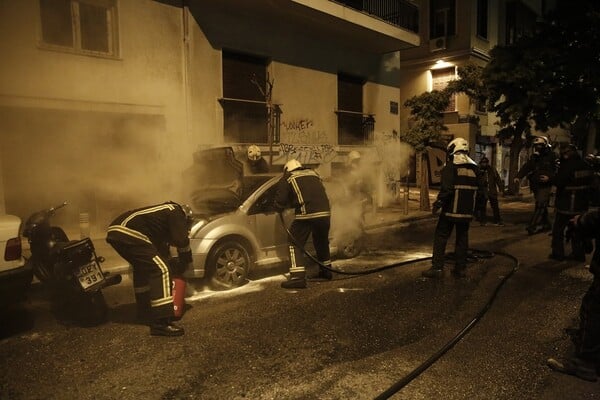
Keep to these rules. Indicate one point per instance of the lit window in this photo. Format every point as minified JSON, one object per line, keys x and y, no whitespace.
{"x":83,"y":26}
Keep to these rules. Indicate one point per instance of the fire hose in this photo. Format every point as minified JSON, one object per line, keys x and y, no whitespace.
{"x":475,"y":254}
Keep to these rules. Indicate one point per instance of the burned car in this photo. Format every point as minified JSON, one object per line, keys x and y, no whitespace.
{"x":239,"y":230}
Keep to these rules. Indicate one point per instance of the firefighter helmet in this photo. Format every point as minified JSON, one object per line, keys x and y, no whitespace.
{"x":189,"y":214}
{"x":540,"y":140}
{"x":254,"y":153}
{"x":353,"y":155}
{"x":291,"y":165}
{"x":458,"y":144}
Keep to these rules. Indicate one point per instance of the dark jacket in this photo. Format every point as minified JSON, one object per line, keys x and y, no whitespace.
{"x":588,"y":225}
{"x":161,"y":225}
{"x":573,"y":184}
{"x":303,"y":190}
{"x":460,"y":183}
{"x":538,"y":165}
{"x":491,"y":181}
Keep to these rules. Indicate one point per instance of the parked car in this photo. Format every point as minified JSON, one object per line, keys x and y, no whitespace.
{"x":234,"y":234}
{"x":15,"y":275}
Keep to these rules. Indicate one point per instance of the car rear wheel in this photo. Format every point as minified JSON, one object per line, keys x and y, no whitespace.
{"x":229,"y":265}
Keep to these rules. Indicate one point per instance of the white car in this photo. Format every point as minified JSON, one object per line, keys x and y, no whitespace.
{"x":15,"y":275}
{"x":234,"y":235}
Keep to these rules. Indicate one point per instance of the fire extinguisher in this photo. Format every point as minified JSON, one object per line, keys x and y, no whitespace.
{"x":178,"y":296}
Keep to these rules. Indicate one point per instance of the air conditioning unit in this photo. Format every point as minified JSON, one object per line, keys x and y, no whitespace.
{"x":437,"y":44}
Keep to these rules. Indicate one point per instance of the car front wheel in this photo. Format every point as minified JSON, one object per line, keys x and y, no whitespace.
{"x":229,"y":265}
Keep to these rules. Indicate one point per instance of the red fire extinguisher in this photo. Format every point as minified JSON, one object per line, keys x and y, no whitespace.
{"x":178,"y":296}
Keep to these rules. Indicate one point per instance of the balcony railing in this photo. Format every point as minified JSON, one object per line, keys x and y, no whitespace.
{"x":401,"y":13}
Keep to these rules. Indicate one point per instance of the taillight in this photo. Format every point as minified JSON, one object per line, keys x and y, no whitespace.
{"x":13,"y":249}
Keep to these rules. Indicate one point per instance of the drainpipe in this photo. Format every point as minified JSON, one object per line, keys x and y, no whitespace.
{"x":185,"y":65}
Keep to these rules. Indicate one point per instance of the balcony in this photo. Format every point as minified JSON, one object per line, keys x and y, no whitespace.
{"x":401,"y":13}
{"x":377,"y":26}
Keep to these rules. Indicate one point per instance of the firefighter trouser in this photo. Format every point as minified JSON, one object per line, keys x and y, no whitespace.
{"x":482,"y":206}
{"x":588,"y":345}
{"x":301,"y":229}
{"x":443,"y":230}
{"x":150,"y":275}
{"x":539,"y":219}
{"x":558,"y":237}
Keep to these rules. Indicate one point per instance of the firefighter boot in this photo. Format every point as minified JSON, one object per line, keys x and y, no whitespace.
{"x":459,"y":272}
{"x":297,"y":279}
{"x":433,"y":273}
{"x":164,"y":327}
{"x":324,"y":273}
{"x":294,"y":283}
{"x":574,"y":366}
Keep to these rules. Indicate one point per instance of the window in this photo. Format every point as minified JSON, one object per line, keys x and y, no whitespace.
{"x":440,"y":79}
{"x":482,"y":18}
{"x":354,"y":127}
{"x":83,"y":26}
{"x":442,"y":18}
{"x":245,"y":114}
{"x":520,"y":21}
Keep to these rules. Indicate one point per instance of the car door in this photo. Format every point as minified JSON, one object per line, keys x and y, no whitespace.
{"x":270,"y":232}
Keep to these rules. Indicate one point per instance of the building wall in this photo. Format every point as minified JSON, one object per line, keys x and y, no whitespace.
{"x":102,"y":133}
{"x":112,"y":133}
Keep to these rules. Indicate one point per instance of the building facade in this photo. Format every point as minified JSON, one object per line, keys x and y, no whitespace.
{"x":103,"y":103}
{"x":454,"y":33}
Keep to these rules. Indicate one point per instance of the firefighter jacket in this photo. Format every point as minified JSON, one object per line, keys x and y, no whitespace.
{"x":303,"y":190}
{"x":588,"y":226}
{"x":161,"y":225}
{"x":538,"y":165}
{"x":573,"y":184}
{"x":460,"y":184}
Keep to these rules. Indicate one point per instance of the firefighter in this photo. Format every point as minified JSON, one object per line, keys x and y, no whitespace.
{"x":460,"y":183}
{"x":256,"y":162}
{"x":539,"y":170}
{"x":302,"y":189}
{"x":586,"y":358}
{"x":143,"y":237}
{"x":573,"y":182}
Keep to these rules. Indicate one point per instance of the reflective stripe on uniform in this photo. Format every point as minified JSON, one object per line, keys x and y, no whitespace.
{"x":314,"y":215}
{"x":166,"y":284}
{"x":147,"y":211}
{"x":129,"y":232}
{"x":298,"y":194}
{"x":456,"y":215}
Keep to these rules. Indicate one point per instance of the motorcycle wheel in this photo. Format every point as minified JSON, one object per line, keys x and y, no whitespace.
{"x":91,"y":309}
{"x":96,"y":311}
{"x":44,"y":273}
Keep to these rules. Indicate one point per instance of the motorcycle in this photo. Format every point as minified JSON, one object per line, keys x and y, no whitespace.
{"x":71,"y":269}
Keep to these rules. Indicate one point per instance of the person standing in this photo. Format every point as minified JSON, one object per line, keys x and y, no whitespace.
{"x":460,"y":183}
{"x":302,"y":189}
{"x":586,"y":357}
{"x":540,"y":170}
{"x":143,"y":237}
{"x":492,"y":184}
{"x":573,"y":183}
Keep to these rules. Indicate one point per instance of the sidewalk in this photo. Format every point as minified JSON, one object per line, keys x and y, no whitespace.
{"x":393,"y":214}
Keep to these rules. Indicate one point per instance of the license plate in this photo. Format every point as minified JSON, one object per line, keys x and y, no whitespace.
{"x":89,"y":275}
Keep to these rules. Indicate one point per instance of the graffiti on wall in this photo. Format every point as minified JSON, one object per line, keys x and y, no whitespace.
{"x":303,"y":141}
{"x":308,"y":153}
